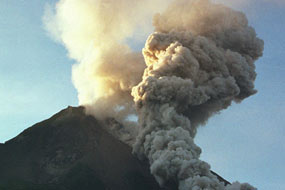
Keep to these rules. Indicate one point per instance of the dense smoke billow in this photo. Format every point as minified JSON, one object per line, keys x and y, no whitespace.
{"x":199,"y":59}
{"x":197,"y":62}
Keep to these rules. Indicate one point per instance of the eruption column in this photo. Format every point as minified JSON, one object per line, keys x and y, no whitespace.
{"x":199,"y":59}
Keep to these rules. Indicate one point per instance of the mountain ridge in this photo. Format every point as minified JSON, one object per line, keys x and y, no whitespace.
{"x":70,"y":151}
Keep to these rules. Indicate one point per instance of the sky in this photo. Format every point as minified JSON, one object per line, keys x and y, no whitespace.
{"x":245,"y":142}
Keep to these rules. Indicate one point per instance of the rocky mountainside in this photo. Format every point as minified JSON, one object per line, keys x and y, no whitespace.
{"x":72,"y":151}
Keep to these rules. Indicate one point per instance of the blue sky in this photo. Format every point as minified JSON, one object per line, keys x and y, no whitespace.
{"x":34,"y":71}
{"x":245,"y":142}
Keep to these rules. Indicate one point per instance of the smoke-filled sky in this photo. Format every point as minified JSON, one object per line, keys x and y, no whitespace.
{"x":244,"y":142}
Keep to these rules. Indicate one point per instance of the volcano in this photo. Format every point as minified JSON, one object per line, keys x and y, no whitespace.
{"x":72,"y":151}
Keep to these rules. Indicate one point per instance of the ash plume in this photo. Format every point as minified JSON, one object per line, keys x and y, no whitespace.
{"x":198,"y":61}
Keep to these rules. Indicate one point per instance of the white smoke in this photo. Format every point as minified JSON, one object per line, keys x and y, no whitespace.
{"x":95,"y":34}
{"x":197,"y":62}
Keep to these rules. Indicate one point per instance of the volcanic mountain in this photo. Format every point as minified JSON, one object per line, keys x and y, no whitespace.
{"x":73,"y":151}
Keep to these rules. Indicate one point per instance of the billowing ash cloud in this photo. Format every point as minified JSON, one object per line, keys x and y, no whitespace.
{"x":199,"y":59}
{"x":197,"y":62}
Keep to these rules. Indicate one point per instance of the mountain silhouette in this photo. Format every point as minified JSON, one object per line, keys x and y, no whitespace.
{"x":73,"y":151}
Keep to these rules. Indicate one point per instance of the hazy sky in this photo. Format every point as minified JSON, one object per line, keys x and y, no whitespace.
{"x":245,"y":142}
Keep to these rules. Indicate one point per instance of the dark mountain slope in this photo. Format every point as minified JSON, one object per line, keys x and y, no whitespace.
{"x":71,"y":151}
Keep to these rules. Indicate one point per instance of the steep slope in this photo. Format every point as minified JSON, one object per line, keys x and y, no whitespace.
{"x":72,"y":151}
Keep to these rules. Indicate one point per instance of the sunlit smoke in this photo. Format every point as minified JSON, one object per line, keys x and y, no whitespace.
{"x":95,"y":33}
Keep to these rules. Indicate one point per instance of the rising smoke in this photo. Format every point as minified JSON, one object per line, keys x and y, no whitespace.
{"x":197,"y":62}
{"x":95,"y":33}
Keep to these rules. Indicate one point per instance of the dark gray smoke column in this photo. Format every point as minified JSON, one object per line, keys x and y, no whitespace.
{"x":199,"y":59}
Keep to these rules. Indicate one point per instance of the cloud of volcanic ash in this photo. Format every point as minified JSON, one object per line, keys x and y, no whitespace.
{"x":198,"y":61}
